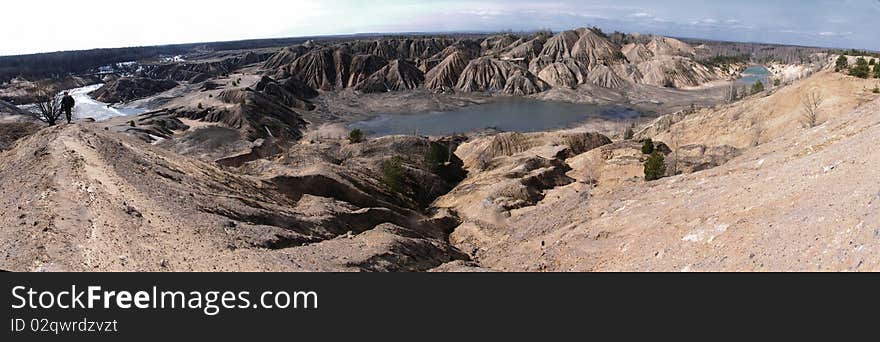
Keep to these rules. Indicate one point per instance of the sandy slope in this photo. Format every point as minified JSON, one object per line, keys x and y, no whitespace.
{"x":805,"y":200}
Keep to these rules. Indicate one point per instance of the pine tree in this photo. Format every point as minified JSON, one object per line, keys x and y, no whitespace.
{"x":655,"y":166}
{"x":842,"y":64}
{"x":757,"y":87}
{"x":648,"y":146}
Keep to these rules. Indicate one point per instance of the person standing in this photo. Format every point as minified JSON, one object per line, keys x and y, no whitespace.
{"x":67,"y":104}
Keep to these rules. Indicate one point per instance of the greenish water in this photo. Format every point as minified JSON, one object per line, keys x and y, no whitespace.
{"x":755,"y":73}
{"x":507,"y":114}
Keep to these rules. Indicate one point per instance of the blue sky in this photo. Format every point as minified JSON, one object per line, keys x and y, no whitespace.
{"x":104,"y":23}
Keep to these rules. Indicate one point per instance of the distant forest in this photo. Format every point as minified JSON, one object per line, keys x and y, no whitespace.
{"x":59,"y":64}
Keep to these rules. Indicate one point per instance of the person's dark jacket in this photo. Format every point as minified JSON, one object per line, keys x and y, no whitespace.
{"x":67,"y":102}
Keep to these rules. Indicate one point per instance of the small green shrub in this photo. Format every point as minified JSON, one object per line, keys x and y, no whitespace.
{"x":757,"y":87}
{"x":861,"y":69}
{"x":200,"y":106}
{"x":356,"y":136}
{"x":841,"y":64}
{"x":876,"y":90}
{"x":392,"y":173}
{"x":655,"y":167}
{"x":435,"y":156}
{"x":777,"y":82}
{"x":648,"y":146}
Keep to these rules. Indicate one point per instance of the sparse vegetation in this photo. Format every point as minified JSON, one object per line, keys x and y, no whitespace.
{"x":648,"y":146}
{"x":719,"y":61}
{"x":777,"y":82}
{"x":876,"y":90}
{"x":811,"y":102}
{"x":655,"y":166}
{"x":877,"y":71}
{"x":392,"y":173}
{"x":356,"y":136}
{"x":200,"y":106}
{"x":435,"y":156}
{"x":48,"y":107}
{"x":861,"y":69}
{"x":757,"y":87}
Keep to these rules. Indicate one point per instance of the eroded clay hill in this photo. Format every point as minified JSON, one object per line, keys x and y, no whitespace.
{"x":507,"y":63}
{"x":81,"y":198}
{"x":795,"y":199}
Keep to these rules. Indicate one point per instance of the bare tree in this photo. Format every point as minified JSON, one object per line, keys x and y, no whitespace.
{"x":673,"y":144}
{"x":811,"y":101}
{"x":48,"y":107}
{"x":732,"y":94}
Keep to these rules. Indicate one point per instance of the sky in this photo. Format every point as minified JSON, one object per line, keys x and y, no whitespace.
{"x":40,"y":26}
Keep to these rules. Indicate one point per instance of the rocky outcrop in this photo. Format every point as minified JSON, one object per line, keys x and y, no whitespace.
{"x":493,"y":75}
{"x":127,"y":89}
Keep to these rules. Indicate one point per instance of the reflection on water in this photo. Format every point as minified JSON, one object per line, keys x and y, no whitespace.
{"x":508,"y":114}
{"x":87,"y":107}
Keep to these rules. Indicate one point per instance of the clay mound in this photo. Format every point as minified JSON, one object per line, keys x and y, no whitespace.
{"x":560,"y":46}
{"x":522,"y":83}
{"x":422,"y":48}
{"x":285,"y":56}
{"x":675,"y":71}
{"x":10,"y":132}
{"x":637,"y":52}
{"x":665,"y":46}
{"x":127,"y":89}
{"x":492,"y":75}
{"x":324,"y":69}
{"x":604,"y":76}
{"x":470,"y":49}
{"x":292,"y":92}
{"x":397,"y":75}
{"x":525,"y":51}
{"x":497,"y":43}
{"x":256,"y":115}
{"x":200,"y":71}
{"x":363,"y":66}
{"x":508,"y":144}
{"x":408,"y":48}
{"x":592,"y":48}
{"x":7,"y":108}
{"x":563,"y":74}
{"x":445,"y":75}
